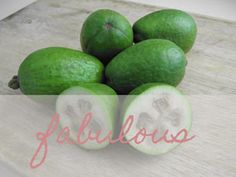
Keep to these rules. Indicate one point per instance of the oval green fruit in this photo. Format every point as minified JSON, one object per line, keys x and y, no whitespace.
{"x":174,"y":25}
{"x":153,"y":60}
{"x":105,"y":33}
{"x":50,"y":71}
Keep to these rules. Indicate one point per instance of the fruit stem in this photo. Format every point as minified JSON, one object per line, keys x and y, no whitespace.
{"x":14,"y":83}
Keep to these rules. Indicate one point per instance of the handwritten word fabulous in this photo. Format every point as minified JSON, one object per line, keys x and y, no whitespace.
{"x":64,"y":134}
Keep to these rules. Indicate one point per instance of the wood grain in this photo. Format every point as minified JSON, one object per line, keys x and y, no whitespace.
{"x":211,"y":64}
{"x":210,"y":82}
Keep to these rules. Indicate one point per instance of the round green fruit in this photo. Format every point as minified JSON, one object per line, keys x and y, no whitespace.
{"x":50,"y":71}
{"x":76,"y":102}
{"x":174,"y":25}
{"x":157,"y":107}
{"x":153,"y":60}
{"x":105,"y":33}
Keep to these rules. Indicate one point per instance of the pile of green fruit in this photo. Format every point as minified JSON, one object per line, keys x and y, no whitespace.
{"x":111,"y":63}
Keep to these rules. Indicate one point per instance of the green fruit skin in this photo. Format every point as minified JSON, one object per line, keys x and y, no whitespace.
{"x":153,"y":60}
{"x":174,"y":25}
{"x":105,"y":33}
{"x":139,"y":90}
{"x":50,"y":71}
{"x":105,"y":94}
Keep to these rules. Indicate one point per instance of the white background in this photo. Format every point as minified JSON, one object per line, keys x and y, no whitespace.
{"x":8,"y":7}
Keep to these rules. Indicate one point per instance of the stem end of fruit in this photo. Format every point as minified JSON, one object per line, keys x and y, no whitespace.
{"x":14,"y":83}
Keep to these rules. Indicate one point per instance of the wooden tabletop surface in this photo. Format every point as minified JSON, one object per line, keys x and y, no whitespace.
{"x":210,"y":83}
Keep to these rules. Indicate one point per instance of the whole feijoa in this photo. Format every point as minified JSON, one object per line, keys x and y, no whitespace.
{"x":174,"y":25}
{"x":51,"y":70}
{"x":105,"y":33}
{"x":153,"y":60}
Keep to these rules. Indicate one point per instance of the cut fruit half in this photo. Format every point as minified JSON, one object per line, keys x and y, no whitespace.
{"x":157,"y":107}
{"x":76,"y":102}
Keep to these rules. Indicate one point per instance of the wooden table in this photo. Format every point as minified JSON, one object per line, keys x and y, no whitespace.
{"x":210,"y":84}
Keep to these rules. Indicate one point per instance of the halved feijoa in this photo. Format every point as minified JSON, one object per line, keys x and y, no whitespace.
{"x":76,"y":102}
{"x":157,"y":107}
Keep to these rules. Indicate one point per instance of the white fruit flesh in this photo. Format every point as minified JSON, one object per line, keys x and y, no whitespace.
{"x":162,"y":108}
{"x":73,"y":105}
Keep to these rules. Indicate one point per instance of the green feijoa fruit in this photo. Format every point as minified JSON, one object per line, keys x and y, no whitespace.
{"x":50,"y":71}
{"x":158,"y":107}
{"x":153,"y":60}
{"x":105,"y":33}
{"x":76,"y":102}
{"x":171,"y":24}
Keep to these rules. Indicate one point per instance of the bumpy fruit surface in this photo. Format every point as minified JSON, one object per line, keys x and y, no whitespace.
{"x":50,"y":71}
{"x":174,"y":25}
{"x":105,"y":33}
{"x":154,"y":60}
